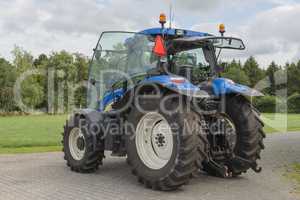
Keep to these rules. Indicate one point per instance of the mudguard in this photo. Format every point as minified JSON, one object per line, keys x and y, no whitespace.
{"x":220,"y":86}
{"x":223,"y":86}
{"x":177,"y":84}
{"x":174,"y":83}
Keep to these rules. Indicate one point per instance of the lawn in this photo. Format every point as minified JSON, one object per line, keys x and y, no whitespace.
{"x":26,"y":134}
{"x":42,"y":133}
{"x":281,"y":122}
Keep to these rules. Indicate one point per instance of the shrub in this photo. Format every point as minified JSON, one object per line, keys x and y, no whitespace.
{"x":294,"y":103}
{"x":265,"y":104}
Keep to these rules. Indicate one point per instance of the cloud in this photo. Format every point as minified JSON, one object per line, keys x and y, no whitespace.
{"x":280,"y":22}
{"x":88,"y":16}
{"x":275,"y":31}
{"x":197,"y":5}
{"x":273,"y":34}
{"x":74,"y":25}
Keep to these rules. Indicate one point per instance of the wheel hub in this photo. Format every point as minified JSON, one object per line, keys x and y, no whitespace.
{"x":160,"y":140}
{"x":222,"y":136}
{"x":80,"y":143}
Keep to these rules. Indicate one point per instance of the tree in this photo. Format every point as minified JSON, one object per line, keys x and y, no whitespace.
{"x":32,"y":88}
{"x":8,"y":73}
{"x":80,"y":96}
{"x":7,"y":79}
{"x":33,"y":93}
{"x":65,"y":74}
{"x":293,"y":72}
{"x":235,"y":72}
{"x":22,"y":59}
{"x":270,"y":72}
{"x":41,"y":63}
{"x":81,"y":63}
{"x":253,"y":71}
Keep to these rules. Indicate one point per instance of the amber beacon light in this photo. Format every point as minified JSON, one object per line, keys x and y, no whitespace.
{"x":222,"y":29}
{"x":162,"y":19}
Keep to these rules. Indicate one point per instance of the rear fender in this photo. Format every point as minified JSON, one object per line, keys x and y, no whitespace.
{"x":176,"y":84}
{"x":223,"y":86}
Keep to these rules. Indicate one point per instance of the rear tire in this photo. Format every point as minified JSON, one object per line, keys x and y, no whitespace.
{"x":177,"y":170}
{"x":250,"y":134}
{"x":89,"y":155}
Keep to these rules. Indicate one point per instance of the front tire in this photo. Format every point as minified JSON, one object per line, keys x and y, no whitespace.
{"x":83,"y":150}
{"x":170,"y":168}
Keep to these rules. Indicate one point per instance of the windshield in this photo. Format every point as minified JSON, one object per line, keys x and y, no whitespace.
{"x":119,"y":56}
{"x":194,"y":57}
{"x":193,"y":64}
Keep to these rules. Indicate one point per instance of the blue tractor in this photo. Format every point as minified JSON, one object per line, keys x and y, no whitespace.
{"x":157,"y":97}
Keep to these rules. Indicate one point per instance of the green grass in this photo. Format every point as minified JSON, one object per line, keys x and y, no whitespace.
{"x":42,"y":133}
{"x":281,"y":122}
{"x":38,"y":133}
{"x":21,"y":150}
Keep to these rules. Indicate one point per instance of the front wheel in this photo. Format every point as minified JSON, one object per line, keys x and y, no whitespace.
{"x":83,"y":150}
{"x":162,"y":148}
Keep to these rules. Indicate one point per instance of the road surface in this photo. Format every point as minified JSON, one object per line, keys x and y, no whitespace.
{"x":45,"y":176}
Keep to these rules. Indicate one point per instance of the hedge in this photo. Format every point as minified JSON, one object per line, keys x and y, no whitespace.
{"x":271,"y":104}
{"x":294,"y":103}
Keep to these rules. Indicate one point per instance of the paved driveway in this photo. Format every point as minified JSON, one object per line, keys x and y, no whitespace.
{"x":45,"y":176}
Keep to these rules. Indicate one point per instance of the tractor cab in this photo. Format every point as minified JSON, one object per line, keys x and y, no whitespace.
{"x":122,"y":59}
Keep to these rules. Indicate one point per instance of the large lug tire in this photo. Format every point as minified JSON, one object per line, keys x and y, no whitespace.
{"x":202,"y":146}
{"x":83,"y":150}
{"x":173,"y":167}
{"x":249,"y":136}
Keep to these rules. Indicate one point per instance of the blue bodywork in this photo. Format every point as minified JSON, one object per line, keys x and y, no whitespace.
{"x":223,"y":86}
{"x":166,"y":81}
{"x":220,"y":86}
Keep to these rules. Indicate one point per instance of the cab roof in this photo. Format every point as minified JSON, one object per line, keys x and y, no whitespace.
{"x":174,"y":32}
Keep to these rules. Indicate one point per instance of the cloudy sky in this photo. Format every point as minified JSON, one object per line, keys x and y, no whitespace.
{"x":270,"y":28}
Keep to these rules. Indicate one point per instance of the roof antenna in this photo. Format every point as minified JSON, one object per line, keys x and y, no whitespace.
{"x":171,"y":14}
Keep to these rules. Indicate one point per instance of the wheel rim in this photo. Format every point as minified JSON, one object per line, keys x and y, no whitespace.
{"x":154,"y":140}
{"x":76,"y":144}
